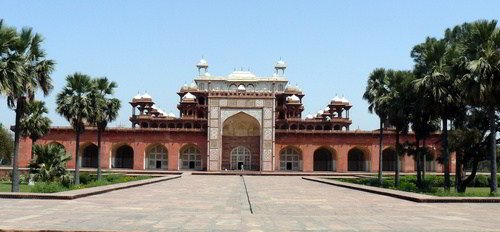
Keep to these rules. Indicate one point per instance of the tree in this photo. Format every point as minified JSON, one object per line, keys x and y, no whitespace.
{"x":105,"y":110}
{"x":35,"y":124}
{"x":50,"y":163}
{"x":482,"y":47}
{"x":399,"y":101}
{"x":26,"y":71}
{"x":376,"y":93}
{"x":6,"y":145}
{"x":436,"y":83}
{"x":74,"y":103}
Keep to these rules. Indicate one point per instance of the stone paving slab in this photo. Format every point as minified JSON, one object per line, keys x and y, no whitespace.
{"x":415,"y":197}
{"x":74,"y":194}
{"x":219,"y":203}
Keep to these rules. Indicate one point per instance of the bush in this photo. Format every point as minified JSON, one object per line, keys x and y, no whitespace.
{"x":48,"y":187}
{"x":480,"y":181}
{"x":86,"y":178}
{"x":114,"y":177}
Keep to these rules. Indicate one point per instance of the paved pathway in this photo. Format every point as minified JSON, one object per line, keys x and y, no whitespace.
{"x":219,"y":203}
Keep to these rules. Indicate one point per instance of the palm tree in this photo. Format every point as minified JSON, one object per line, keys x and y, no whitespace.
{"x":435,"y":81}
{"x":35,"y":124}
{"x":26,"y":72}
{"x":375,"y":93}
{"x":399,"y":102}
{"x":105,"y":110}
{"x":74,"y":103}
{"x":483,"y":49}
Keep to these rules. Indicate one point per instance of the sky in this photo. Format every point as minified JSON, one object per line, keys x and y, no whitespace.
{"x":153,"y":46}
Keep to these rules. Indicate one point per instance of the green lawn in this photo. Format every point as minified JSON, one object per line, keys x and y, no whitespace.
{"x":87,"y":181}
{"x":5,"y":186}
{"x":479,"y":187}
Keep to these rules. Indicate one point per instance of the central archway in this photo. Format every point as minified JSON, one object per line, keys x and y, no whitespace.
{"x":241,"y":142}
{"x":324,"y":160}
{"x":240,"y":158}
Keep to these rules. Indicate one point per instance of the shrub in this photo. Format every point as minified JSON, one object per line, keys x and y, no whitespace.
{"x":50,"y":163}
{"x":480,"y":181}
{"x":114,"y":177}
{"x":48,"y":187}
{"x":86,"y":178}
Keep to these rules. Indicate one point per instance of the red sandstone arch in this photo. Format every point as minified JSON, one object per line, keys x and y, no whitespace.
{"x":88,"y":156}
{"x":190,"y":157}
{"x":156,"y":156}
{"x":358,"y":159}
{"x":122,"y":156}
{"x":288,"y":161}
{"x":324,"y":158}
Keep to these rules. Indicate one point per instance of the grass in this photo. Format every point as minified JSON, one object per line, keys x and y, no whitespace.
{"x":433,"y":186}
{"x":86,"y":180}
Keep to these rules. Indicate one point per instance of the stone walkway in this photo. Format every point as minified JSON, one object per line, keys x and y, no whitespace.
{"x":219,"y":203}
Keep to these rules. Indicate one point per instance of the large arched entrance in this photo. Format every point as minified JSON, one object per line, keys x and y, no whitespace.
{"x":89,"y":156}
{"x":240,"y":158}
{"x":323,"y":160}
{"x":241,"y":142}
{"x":156,"y":157}
{"x":388,"y":160}
{"x":123,"y":157}
{"x":190,"y":158}
{"x":358,"y":160}
{"x":290,"y":159}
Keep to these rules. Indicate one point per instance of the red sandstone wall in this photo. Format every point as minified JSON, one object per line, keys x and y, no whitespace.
{"x":174,"y":141}
{"x":139,"y":140}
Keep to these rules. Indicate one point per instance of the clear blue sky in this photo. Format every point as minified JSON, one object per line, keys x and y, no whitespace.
{"x":153,"y":46}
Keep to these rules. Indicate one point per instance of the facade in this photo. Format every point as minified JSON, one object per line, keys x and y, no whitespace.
{"x":237,"y":122}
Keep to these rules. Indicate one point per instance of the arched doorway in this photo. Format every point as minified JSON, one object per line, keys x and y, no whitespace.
{"x":156,"y":157}
{"x":240,"y":158}
{"x":190,"y":158}
{"x":388,"y":160}
{"x":241,"y":131}
{"x":290,"y":159}
{"x":89,"y":156}
{"x":323,"y":160}
{"x":123,"y":157}
{"x":357,"y":160}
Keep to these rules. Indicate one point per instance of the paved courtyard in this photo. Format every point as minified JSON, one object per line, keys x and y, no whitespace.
{"x":220,"y":203}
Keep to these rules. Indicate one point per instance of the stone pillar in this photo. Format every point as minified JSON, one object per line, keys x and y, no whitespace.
{"x":308,"y":158}
{"x":408,"y":163}
{"x":374,"y":158}
{"x":139,"y":152}
{"x":342,"y":151}
{"x":173,"y":156}
{"x":106,"y":150}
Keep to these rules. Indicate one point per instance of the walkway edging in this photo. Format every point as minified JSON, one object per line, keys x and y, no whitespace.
{"x":415,"y":197}
{"x":75,"y":194}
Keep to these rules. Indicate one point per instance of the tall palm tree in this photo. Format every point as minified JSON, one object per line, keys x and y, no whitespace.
{"x":483,"y":48}
{"x":436,"y":83}
{"x":35,"y":124}
{"x":399,"y":101}
{"x":30,"y":72}
{"x":375,"y":93}
{"x":74,"y":103}
{"x":105,"y":110}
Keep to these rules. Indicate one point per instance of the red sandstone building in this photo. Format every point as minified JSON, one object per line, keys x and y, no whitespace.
{"x":239,"y":121}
